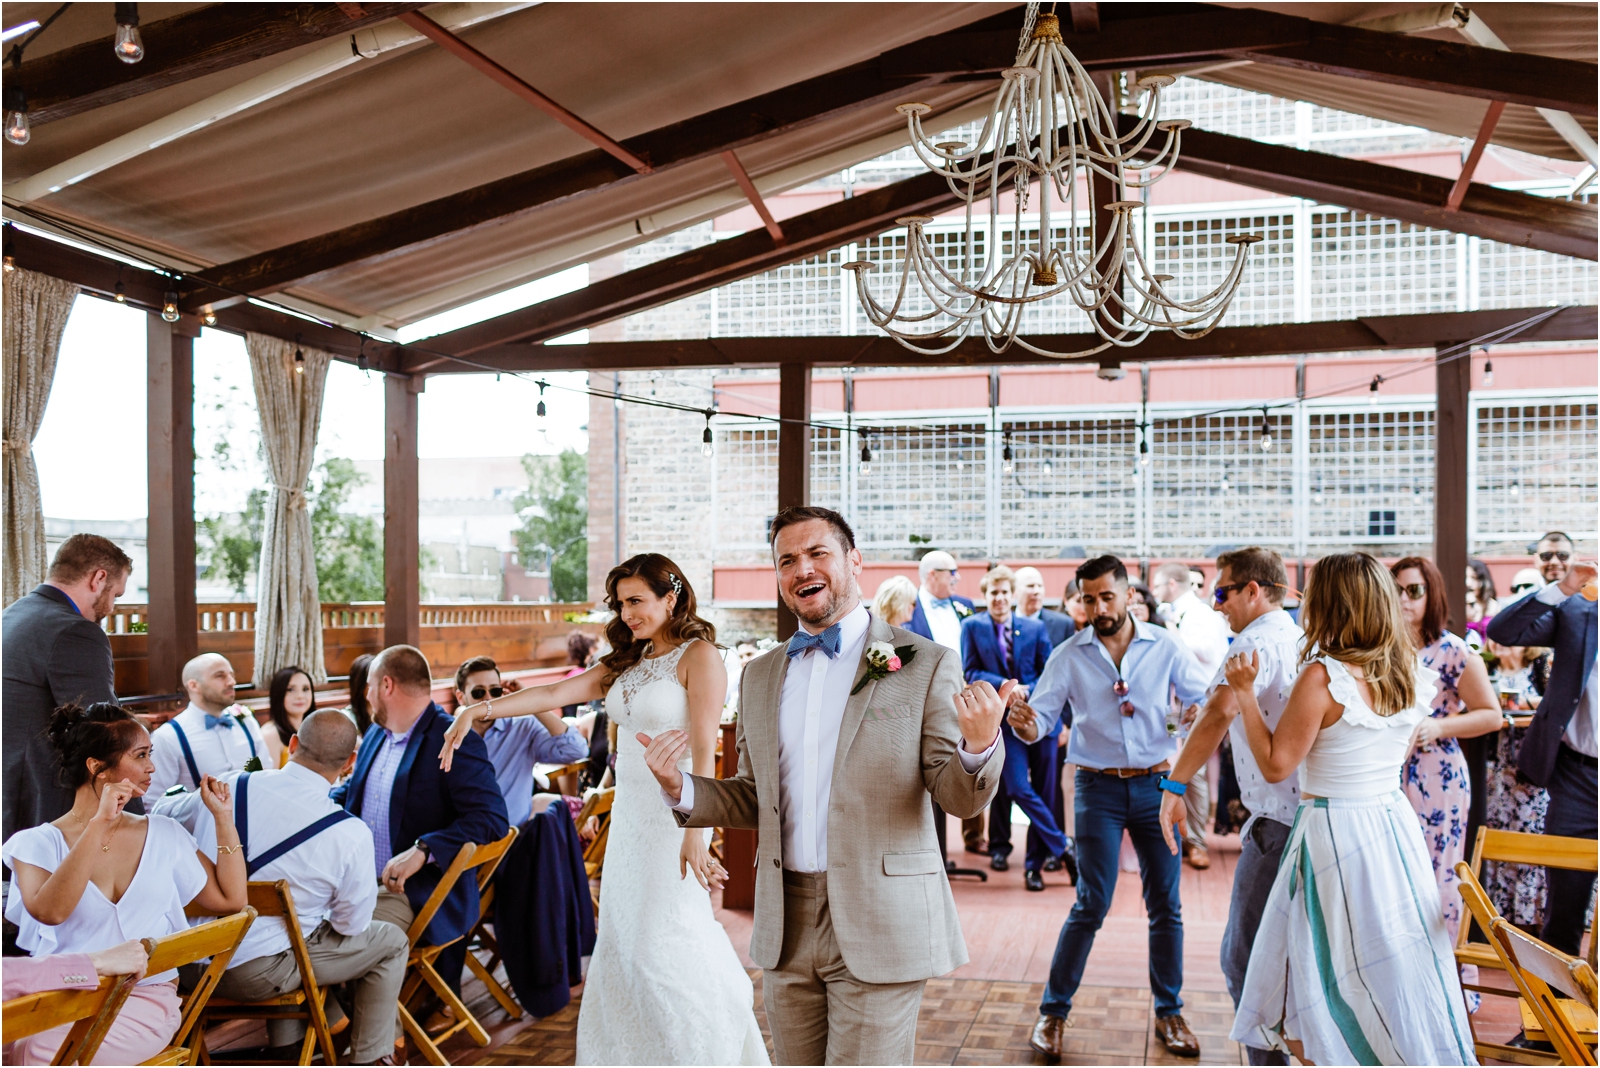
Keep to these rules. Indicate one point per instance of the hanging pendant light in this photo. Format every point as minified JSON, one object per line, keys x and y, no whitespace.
{"x":1050,"y":126}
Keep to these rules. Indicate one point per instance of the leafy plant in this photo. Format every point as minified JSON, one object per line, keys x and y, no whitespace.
{"x":555,"y":521}
{"x":348,"y":547}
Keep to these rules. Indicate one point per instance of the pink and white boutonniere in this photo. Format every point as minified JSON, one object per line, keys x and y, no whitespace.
{"x":882,"y":660}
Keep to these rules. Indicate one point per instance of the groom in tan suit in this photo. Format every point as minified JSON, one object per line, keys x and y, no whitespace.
{"x":843,"y":734}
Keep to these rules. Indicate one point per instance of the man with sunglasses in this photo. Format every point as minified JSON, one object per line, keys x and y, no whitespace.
{"x":516,"y":743}
{"x":1554,"y":551}
{"x":1112,"y":683}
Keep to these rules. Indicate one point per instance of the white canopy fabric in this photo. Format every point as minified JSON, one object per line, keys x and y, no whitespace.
{"x":415,"y":123}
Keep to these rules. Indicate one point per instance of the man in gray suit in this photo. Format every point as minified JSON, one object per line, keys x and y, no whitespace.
{"x":54,"y":653}
{"x":843,"y":734}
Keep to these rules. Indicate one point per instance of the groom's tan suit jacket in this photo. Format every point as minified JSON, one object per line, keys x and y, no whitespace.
{"x":890,"y":901}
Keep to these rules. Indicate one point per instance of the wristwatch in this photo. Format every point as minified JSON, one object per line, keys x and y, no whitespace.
{"x":422,"y":847}
{"x":1171,"y":787}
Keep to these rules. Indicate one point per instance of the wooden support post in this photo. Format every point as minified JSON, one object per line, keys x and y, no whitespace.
{"x":1451,"y":427}
{"x":401,"y":546}
{"x":794,"y":456}
{"x":174,"y":639}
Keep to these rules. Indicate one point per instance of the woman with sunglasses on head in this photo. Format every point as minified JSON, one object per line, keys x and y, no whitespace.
{"x":1352,"y":963}
{"x":1464,"y":706}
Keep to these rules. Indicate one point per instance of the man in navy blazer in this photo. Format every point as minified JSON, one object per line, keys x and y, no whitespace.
{"x":420,"y":815}
{"x":995,"y":646}
{"x":1558,"y":752}
{"x":1030,"y":605}
{"x":937,"y":613}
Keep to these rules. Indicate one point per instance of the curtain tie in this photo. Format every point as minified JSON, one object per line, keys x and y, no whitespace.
{"x":15,"y":446}
{"x":297,"y":497}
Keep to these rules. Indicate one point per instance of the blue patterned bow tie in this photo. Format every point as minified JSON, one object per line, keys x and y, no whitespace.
{"x":225,"y":721}
{"x":827,"y":641}
{"x":942,"y":602}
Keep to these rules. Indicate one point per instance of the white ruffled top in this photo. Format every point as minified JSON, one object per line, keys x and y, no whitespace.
{"x":1361,"y":755}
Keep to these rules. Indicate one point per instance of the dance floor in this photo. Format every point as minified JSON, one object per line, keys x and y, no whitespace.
{"x":983,"y":1012}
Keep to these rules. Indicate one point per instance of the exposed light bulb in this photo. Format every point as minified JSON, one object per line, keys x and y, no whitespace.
{"x":209,"y":318}
{"x":1266,"y":442}
{"x":1144,"y":452}
{"x":169,"y":307}
{"x":1226,"y":486}
{"x":128,"y":45}
{"x":1372,"y":390}
{"x":866,"y":455}
{"x":1516,"y":488}
{"x":1488,"y":372}
{"x":539,"y":410}
{"x":299,"y":361}
{"x":18,"y":129}
{"x":10,"y":262}
{"x":706,"y":446}
{"x":120,"y":294}
{"x":1049,"y":468}
{"x":1005,"y":454}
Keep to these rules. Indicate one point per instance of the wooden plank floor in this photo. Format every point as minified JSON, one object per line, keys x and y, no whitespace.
{"x":983,"y":1012}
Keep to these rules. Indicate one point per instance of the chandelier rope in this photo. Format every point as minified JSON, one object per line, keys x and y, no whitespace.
{"x":1049,"y":125}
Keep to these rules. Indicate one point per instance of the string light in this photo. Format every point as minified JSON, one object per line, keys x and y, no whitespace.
{"x":1266,"y":432}
{"x":1516,"y":486}
{"x":299,"y":357}
{"x":1316,"y":492}
{"x":866,"y":453}
{"x":18,"y":129}
{"x":1049,"y":468}
{"x":707,"y":446}
{"x":1372,"y":390}
{"x":1005,"y":454}
{"x":209,"y":317}
{"x":539,"y":410}
{"x":128,"y":45}
{"x":169,"y":306}
{"x":10,"y":255}
{"x":1488,"y":371}
{"x":120,"y":294}
{"x":361,"y":355}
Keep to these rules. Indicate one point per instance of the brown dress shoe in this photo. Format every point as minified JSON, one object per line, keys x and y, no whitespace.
{"x":1049,"y":1035}
{"x":442,"y":1020}
{"x":1176,"y":1036}
{"x":1198,"y":859}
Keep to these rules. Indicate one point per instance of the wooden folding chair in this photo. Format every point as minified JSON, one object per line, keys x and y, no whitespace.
{"x":1514,"y":847}
{"x":1482,"y":912}
{"x":599,"y":804}
{"x":485,"y":939}
{"x":420,"y":963}
{"x":566,"y":778}
{"x":91,"y":1013}
{"x":308,"y":1002}
{"x":217,"y":940}
{"x":1568,"y":1025}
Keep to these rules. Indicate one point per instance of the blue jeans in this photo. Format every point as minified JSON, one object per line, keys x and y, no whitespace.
{"x":1028,"y":781}
{"x":1106,"y":806}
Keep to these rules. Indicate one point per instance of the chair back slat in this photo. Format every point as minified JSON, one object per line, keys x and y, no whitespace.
{"x":1523,"y":951}
{"x":217,"y":940}
{"x":91,"y":1012}
{"x":471,"y":855}
{"x":1550,"y":964}
{"x":1542,"y":850}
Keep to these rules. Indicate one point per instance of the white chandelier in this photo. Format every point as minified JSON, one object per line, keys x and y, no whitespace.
{"x":1049,"y":122}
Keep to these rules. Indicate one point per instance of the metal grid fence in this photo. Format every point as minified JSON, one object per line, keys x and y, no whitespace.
{"x":1370,"y":477}
{"x":1535,"y":469}
{"x":1072,"y":481}
{"x":1194,"y":250}
{"x":1210,"y":480}
{"x":1362,"y":265}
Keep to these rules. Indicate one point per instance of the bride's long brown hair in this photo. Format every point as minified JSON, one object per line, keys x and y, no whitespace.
{"x":663,"y":577}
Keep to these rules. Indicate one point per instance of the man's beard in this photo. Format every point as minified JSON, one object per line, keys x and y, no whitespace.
{"x":380,"y":714}
{"x":103,"y":604}
{"x":1107,"y":627}
{"x":836,"y":601}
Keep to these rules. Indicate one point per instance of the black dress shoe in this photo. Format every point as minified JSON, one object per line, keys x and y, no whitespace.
{"x":1032,"y":879}
{"x":998,"y":862}
{"x":1069,"y":861}
{"x":1052,"y":863}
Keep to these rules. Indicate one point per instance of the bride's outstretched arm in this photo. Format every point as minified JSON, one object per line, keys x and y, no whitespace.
{"x":707,"y":683}
{"x":530,"y":702}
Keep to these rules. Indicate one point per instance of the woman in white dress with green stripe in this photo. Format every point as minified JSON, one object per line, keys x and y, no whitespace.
{"x":1352,"y":963}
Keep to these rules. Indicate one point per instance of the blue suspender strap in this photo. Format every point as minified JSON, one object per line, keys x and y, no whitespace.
{"x":251,"y":742}
{"x":241,"y":811}
{"x":188,"y":754}
{"x":305,"y":834}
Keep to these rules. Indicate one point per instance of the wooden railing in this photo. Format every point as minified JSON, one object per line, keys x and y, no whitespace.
{"x":241,"y":615}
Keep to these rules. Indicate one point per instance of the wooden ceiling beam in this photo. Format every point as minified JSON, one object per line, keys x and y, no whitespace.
{"x":1285,"y":339}
{"x":1552,"y":224}
{"x":1281,"y":40}
{"x":196,"y":43}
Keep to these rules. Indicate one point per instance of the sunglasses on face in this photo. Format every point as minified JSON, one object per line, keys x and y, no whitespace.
{"x":1522,"y":587}
{"x":1416,"y":591}
{"x":478,"y":693}
{"x":1545,"y":558}
{"x":1220,"y":594}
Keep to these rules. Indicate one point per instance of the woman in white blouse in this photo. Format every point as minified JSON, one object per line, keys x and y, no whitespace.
{"x":99,"y":876}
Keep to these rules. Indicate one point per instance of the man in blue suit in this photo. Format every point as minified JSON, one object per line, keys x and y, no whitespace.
{"x":1559,"y":751}
{"x":996,"y":646}
{"x":1030,"y":605}
{"x":420,"y":815}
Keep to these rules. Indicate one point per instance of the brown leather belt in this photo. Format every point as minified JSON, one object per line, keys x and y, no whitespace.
{"x":1134,"y":773}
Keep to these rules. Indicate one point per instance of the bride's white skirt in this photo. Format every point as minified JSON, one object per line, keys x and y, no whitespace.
{"x":665,"y":985}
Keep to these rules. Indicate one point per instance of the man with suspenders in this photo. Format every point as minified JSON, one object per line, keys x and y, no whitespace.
{"x":210,"y":737}
{"x":290,"y":829}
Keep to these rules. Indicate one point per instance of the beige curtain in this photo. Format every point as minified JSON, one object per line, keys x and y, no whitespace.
{"x":36,"y":313}
{"x":288,"y":610}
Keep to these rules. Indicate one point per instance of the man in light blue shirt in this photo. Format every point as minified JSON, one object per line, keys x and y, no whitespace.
{"x":516,"y":743}
{"x":1113,"y":684}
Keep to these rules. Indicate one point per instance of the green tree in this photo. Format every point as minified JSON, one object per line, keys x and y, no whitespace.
{"x":348,"y":547}
{"x":232,"y":543}
{"x":555,"y":521}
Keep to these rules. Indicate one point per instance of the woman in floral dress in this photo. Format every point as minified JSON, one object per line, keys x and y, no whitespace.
{"x":1517,"y":890}
{"x":1464,"y":706}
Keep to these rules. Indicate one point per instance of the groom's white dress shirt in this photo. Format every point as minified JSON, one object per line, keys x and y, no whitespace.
{"x":810,"y":715}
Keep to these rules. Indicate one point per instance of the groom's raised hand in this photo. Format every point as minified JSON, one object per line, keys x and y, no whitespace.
{"x":979,"y":710}
{"x":661,"y":756}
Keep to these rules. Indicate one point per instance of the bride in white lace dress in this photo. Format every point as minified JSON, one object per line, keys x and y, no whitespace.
{"x":665,"y":985}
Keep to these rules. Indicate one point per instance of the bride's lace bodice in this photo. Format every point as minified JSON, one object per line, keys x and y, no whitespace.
{"x":647,"y":697}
